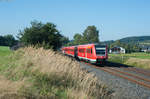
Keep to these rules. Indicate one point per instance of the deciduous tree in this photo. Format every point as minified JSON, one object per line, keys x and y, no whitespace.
{"x":42,"y":34}
{"x":91,"y":35}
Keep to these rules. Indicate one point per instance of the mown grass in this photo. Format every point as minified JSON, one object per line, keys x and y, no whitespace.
{"x":141,"y":60}
{"x":39,"y":73}
{"x":4,"y":51}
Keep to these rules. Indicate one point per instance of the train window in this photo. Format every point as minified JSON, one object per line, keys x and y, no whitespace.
{"x":81,"y":50}
{"x":88,"y":50}
{"x":100,"y":49}
{"x":91,"y":50}
{"x":69,"y":49}
{"x":72,"y":50}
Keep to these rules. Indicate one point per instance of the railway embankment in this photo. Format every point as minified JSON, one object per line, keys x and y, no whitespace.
{"x":39,"y":73}
{"x":126,"y":82}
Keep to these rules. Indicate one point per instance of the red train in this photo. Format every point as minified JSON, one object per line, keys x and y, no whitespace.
{"x":94,"y":53}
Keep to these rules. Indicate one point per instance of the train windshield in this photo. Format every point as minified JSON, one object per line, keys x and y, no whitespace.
{"x":100,"y":50}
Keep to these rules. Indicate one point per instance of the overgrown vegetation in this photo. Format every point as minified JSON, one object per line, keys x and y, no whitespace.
{"x":39,"y":73}
{"x":141,"y":60}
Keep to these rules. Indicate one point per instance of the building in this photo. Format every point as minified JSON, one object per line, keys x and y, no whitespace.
{"x":145,"y":49}
{"x":117,"y":50}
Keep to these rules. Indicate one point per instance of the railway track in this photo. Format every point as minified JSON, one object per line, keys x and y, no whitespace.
{"x":132,"y":77}
{"x":144,"y":72}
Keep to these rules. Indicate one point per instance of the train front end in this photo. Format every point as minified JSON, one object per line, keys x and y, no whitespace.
{"x":101,"y":53}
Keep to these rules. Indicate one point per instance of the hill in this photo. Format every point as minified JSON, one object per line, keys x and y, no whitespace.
{"x":135,"y":39}
{"x":132,"y":40}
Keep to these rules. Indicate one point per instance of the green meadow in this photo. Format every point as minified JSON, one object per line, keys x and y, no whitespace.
{"x":4,"y":51}
{"x":141,"y":60}
{"x":140,"y":55}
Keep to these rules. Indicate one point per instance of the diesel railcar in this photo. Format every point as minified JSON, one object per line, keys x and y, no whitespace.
{"x":94,"y":53}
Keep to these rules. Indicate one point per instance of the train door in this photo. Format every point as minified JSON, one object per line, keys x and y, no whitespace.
{"x":88,"y":51}
{"x":76,"y":52}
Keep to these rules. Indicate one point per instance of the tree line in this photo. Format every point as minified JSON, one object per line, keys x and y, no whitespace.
{"x":8,"y":40}
{"x":48,"y":36}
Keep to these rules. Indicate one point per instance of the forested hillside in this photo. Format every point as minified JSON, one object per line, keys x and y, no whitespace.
{"x":132,"y":40}
{"x":131,"y":44}
{"x":136,"y":39}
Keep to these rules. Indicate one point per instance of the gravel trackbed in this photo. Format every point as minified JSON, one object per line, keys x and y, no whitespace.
{"x":123,"y":89}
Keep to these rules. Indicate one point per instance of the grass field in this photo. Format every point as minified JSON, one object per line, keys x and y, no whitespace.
{"x":141,"y":60}
{"x":134,"y":55}
{"x":38,"y":74}
{"x":4,"y":51}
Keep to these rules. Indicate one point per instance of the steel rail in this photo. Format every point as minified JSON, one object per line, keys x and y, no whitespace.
{"x":115,"y":73}
{"x":131,"y":75}
{"x":127,"y":78}
{"x":138,"y":71}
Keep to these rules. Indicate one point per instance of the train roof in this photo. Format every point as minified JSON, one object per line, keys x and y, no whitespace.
{"x":84,"y":45}
{"x":92,"y":44}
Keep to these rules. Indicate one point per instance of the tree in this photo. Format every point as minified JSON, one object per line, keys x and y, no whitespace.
{"x":78,"y":39}
{"x":91,"y":35}
{"x":7,"y":40}
{"x":2,"y":41}
{"x":41,"y":34}
{"x":118,"y":43}
{"x":10,"y":40}
{"x":64,"y":40}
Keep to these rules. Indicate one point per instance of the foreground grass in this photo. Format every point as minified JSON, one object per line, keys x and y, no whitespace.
{"x":141,"y":60}
{"x":39,"y":73}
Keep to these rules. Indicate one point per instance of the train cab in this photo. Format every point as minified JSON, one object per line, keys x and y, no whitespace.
{"x":101,"y":53}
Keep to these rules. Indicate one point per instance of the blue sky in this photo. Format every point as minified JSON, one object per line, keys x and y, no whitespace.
{"x":114,"y":19}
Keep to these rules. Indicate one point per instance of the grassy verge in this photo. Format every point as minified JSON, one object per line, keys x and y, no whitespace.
{"x":39,"y":73}
{"x":141,"y":60}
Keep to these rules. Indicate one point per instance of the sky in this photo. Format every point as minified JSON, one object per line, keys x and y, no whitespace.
{"x":115,"y":19}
